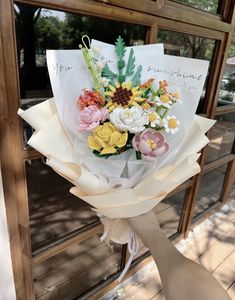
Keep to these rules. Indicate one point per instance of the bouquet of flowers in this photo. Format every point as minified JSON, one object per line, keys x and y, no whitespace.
{"x":121,"y":127}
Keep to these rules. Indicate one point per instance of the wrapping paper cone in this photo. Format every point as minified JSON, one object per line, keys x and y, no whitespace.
{"x":113,"y":205}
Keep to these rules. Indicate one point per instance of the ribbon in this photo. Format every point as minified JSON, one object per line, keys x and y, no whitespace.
{"x":133,"y":242}
{"x":133,"y":248}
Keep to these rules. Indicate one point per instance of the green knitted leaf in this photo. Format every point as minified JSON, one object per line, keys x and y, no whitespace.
{"x":130,"y":64}
{"x":136,"y":78}
{"x":106,"y":72}
{"x":120,"y":47}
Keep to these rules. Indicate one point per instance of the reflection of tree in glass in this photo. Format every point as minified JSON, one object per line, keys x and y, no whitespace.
{"x":177,"y":43}
{"x":229,"y":86}
{"x":76,"y":26}
{"x":26,"y":17}
{"x":207,"y":5}
{"x":39,"y":29}
{"x":227,"y":92}
{"x":48,"y":33}
{"x":231,"y":52}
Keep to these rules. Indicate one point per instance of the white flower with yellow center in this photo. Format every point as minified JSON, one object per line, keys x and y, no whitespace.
{"x":129,"y":119}
{"x":175,"y":97}
{"x":154,"y":119}
{"x":171,"y":124}
{"x":163,"y":100}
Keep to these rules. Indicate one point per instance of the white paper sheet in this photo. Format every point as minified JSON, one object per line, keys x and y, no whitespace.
{"x":69,"y":76}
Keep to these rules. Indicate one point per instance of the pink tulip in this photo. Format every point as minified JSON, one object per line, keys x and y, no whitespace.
{"x":150,"y":143}
{"x":91,"y":117}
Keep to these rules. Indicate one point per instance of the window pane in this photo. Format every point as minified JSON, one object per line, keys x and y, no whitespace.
{"x":187,"y":45}
{"x":221,"y":137}
{"x":53,"y":210}
{"x":209,"y":190}
{"x":209,"y":6}
{"x":38,"y":29}
{"x":169,"y":211}
{"x":227,"y":89}
{"x":69,"y":274}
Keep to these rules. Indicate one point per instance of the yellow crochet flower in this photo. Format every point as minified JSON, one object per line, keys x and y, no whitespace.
{"x":123,"y":95}
{"x":107,"y":138}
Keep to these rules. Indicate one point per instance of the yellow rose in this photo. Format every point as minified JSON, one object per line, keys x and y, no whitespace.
{"x":104,"y":131}
{"x":107,"y":138}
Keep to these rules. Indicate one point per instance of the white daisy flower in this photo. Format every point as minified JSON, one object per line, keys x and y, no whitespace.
{"x":175,"y":97}
{"x":171,"y":124}
{"x":154,"y":119}
{"x":163,"y":100}
{"x":129,"y":119}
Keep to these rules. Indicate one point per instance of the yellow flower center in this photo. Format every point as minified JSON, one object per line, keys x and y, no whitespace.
{"x":127,"y":114}
{"x":164,"y":98}
{"x":146,"y":106}
{"x":172,"y":123}
{"x":152,"y":117}
{"x":151,"y":144}
{"x":176,"y":95}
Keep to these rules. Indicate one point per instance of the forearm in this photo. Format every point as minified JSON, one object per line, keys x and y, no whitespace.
{"x":165,"y":255}
{"x":182,"y":279}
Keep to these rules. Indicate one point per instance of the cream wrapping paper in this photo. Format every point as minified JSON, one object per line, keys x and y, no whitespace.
{"x":52,"y":141}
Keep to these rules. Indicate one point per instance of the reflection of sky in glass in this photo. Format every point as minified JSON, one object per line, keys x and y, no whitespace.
{"x":53,"y":13}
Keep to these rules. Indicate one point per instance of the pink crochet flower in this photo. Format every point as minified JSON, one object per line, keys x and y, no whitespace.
{"x":91,"y":117}
{"x":150,"y":143}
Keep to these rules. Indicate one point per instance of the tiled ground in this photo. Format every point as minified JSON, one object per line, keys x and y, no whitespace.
{"x":211,"y":244}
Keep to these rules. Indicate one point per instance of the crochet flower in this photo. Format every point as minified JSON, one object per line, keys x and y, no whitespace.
{"x":91,"y":117}
{"x":147,"y":84}
{"x":171,"y":124}
{"x":129,"y":119}
{"x":90,"y":98}
{"x":163,"y":100}
{"x":163,"y":86}
{"x":107,"y":139}
{"x":150,"y":143}
{"x":175,"y":97}
{"x":122,"y":95}
{"x":154,"y":119}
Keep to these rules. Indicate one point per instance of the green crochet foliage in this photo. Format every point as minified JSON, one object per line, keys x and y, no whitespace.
{"x":106,"y":72}
{"x":120,"y":48}
{"x":136,"y":78}
{"x":130,"y":68}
